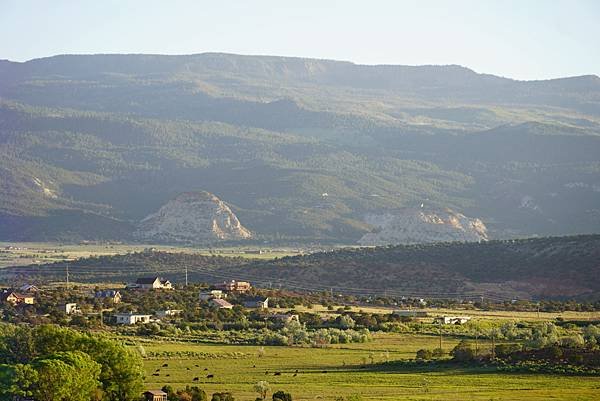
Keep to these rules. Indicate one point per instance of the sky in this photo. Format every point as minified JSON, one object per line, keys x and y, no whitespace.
{"x":522,"y":39}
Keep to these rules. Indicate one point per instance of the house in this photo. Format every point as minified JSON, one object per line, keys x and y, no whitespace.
{"x":15,"y":298}
{"x":28,"y":288}
{"x":410,"y":313}
{"x":212,"y":294}
{"x":257,"y":303}
{"x":70,"y":308}
{"x":113,"y":295}
{"x":155,"y":395}
{"x":234,"y":286}
{"x":220,"y":304}
{"x":285,"y":317}
{"x":451,"y":319}
{"x":153,"y":283}
{"x":168,"y":312}
{"x":132,"y":318}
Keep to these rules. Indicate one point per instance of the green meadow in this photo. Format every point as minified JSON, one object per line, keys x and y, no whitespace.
{"x":347,"y":370}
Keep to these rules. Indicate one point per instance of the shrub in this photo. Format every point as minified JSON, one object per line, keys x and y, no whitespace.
{"x":463,"y":352}
{"x":282,"y":396}
{"x":424,"y":354}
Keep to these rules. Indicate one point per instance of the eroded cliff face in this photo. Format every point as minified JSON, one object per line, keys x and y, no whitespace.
{"x":415,"y":226}
{"x":192,"y":217}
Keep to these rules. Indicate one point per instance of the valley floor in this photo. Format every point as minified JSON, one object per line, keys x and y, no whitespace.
{"x":349,"y":369}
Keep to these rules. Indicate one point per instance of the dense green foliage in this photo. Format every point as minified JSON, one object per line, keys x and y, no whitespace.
{"x":56,"y":364}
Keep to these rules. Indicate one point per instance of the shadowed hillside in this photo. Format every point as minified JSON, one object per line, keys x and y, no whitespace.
{"x":559,"y":268}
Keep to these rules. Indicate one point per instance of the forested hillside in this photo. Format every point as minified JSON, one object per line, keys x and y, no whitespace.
{"x":548,"y":268}
{"x":301,"y":150}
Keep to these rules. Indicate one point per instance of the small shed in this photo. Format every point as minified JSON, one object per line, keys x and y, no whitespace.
{"x":155,"y":395}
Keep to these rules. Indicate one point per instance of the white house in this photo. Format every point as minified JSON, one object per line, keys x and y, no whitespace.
{"x":212,"y":294}
{"x":452,"y":319}
{"x":112,"y":295}
{"x":168,"y":312}
{"x":132,"y":318}
{"x":153,"y":283}
{"x":70,"y":308}
{"x":285,"y":317}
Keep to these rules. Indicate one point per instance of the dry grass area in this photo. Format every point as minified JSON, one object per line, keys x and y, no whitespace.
{"x":27,"y":253}
{"x":475,"y":313}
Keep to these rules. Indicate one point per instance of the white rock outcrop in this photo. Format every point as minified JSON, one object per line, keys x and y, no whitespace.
{"x":416,"y":226}
{"x":192,"y":217}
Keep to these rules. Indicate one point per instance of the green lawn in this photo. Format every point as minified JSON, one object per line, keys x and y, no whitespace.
{"x":341,"y":371}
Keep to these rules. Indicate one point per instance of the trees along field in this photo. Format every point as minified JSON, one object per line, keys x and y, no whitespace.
{"x":50,"y":363}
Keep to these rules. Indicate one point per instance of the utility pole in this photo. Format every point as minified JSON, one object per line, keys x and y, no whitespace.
{"x":441,"y":333}
{"x":186,"y":276}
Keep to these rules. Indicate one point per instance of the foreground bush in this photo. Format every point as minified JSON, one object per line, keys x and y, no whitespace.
{"x":55,"y":364}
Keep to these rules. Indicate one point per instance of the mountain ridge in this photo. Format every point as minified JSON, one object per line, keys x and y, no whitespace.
{"x":457,"y":67}
{"x":116,"y":137}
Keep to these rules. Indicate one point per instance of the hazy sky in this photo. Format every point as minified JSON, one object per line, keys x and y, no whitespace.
{"x":519,"y":39}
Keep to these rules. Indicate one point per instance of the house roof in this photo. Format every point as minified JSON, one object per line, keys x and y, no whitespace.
{"x":147,"y":280}
{"x":28,"y":287}
{"x":155,"y":392}
{"x":221,"y":302}
{"x":19,"y":295}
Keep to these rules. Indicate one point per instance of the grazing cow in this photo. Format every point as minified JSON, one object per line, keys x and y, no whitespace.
{"x":253,"y":366}
{"x":157,"y":370}
{"x":165,"y":365}
{"x":188,"y":368}
{"x":210,"y":376}
{"x":168,"y":375}
{"x":266,"y":372}
{"x":323,"y":371}
{"x":155,"y":374}
{"x":277,"y":374}
{"x":205,"y":368}
{"x":197,"y":366}
{"x":295,"y":374}
{"x":196,"y":379}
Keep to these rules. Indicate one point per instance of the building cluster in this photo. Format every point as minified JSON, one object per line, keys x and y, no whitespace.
{"x":217,"y":296}
{"x":24,"y":295}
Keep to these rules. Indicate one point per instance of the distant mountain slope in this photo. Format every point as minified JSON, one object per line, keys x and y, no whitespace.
{"x":111,"y":138}
{"x":559,"y":268}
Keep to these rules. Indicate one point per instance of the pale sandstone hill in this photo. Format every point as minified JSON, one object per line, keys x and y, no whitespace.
{"x":192,"y":217}
{"x":414,"y":226}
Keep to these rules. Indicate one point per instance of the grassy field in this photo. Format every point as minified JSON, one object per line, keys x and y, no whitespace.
{"x":26,"y":253}
{"x":343,"y":370}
